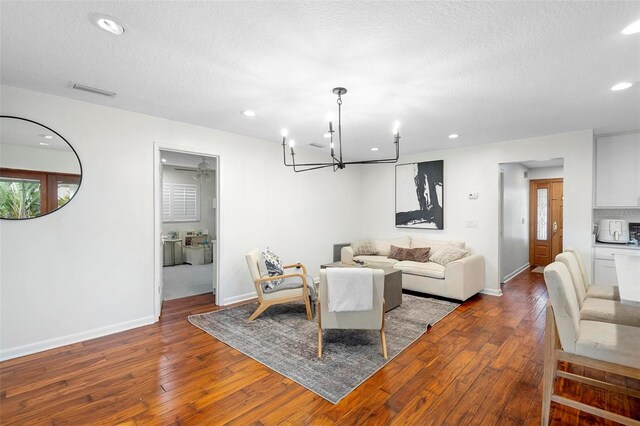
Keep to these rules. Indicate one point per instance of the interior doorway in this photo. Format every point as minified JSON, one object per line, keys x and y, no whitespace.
{"x":545,"y":218}
{"x":514,"y":213}
{"x":186,"y":217}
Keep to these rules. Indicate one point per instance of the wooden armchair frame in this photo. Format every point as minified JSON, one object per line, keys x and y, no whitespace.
{"x":553,"y":353}
{"x":266,"y":303}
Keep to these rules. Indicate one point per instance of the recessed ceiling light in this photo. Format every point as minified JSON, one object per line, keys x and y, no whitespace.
{"x":374,"y":149}
{"x":453,"y":136}
{"x":633,"y":28}
{"x":164,"y":160}
{"x":621,"y":86}
{"x":107,"y":23}
{"x":44,"y":144}
{"x":249,"y":113}
{"x":327,"y":135}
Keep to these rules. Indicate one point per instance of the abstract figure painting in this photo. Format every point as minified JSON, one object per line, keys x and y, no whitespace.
{"x":419,"y":195}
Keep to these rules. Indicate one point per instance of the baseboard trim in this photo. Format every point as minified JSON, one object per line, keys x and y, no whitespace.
{"x":491,"y":292}
{"x":516,"y":272}
{"x":239,"y":298}
{"x":44,"y":345}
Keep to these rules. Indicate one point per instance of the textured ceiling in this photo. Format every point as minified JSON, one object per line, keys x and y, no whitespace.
{"x":488,"y":71}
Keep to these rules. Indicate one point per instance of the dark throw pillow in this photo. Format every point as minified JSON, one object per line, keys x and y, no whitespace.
{"x":419,"y":254}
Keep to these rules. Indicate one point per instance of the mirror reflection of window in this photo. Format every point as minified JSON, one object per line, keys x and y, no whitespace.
{"x":39,"y":171}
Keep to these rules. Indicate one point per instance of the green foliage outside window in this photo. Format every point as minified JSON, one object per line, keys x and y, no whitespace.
{"x":19,"y":199}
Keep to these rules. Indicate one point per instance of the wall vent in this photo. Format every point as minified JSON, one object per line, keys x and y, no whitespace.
{"x":95,"y":90}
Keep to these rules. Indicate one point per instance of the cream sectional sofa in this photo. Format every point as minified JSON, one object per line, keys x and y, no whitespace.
{"x":458,"y":280}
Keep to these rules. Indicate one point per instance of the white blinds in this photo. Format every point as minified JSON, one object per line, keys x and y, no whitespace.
{"x":180,"y":202}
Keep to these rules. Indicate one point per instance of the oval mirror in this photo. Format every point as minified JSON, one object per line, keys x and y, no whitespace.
{"x":39,"y":170}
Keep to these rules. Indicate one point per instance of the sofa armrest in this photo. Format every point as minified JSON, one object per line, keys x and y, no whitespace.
{"x":465,"y":277}
{"x":346,"y":255}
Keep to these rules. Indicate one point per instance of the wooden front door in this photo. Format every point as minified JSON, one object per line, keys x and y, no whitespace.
{"x":545,"y":219}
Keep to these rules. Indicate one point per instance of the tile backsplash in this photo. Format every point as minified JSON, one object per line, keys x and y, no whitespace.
{"x":632,"y":215}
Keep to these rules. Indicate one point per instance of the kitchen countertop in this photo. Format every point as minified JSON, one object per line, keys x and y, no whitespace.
{"x":617,"y":246}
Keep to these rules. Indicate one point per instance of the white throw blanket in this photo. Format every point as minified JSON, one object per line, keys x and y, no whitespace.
{"x":349,"y":289}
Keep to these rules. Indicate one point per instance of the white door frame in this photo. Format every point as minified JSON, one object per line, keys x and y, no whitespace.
{"x":157,"y":219}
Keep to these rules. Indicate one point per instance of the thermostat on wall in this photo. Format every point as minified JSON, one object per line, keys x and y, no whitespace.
{"x":473,"y":195}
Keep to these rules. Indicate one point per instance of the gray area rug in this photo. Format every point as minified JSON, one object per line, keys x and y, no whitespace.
{"x":285,"y":341}
{"x":186,"y":280}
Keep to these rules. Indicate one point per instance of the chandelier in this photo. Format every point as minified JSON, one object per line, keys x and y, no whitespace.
{"x":204,"y":171}
{"x":336,"y":161}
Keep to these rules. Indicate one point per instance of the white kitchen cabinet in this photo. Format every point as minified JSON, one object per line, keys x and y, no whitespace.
{"x":605,"y":272}
{"x":604,"y":266}
{"x":618,"y":171}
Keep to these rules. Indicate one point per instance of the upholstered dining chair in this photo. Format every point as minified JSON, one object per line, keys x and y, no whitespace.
{"x":295,"y":286}
{"x":595,"y":309}
{"x":608,"y":347}
{"x":595,"y":290}
{"x":358,"y":320}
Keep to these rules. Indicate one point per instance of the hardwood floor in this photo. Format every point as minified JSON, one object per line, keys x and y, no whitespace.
{"x":482,"y":364}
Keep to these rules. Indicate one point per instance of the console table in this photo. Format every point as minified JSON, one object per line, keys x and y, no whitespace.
{"x":392,"y":283}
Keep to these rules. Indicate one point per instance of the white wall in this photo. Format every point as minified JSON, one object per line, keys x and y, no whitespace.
{"x":63,"y":277}
{"x":515,"y":220}
{"x":546,"y":173}
{"x":475,"y":169}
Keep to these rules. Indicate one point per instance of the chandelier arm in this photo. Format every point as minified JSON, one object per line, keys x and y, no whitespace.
{"x":314,"y":164}
{"x":310,"y":168}
{"x":284,"y":153}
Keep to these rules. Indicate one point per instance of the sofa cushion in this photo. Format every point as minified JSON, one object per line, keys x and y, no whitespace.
{"x":446,"y":255}
{"x":384,"y":246}
{"x":382,"y":261}
{"x":361,"y":247}
{"x":416,"y":242}
{"x":428,"y":269}
{"x":418,"y":254}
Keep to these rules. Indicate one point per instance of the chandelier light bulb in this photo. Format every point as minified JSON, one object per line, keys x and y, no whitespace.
{"x":330,"y":117}
{"x":292,"y":143}
{"x":284,"y":133}
{"x":396,"y":127}
{"x":327,"y":135}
